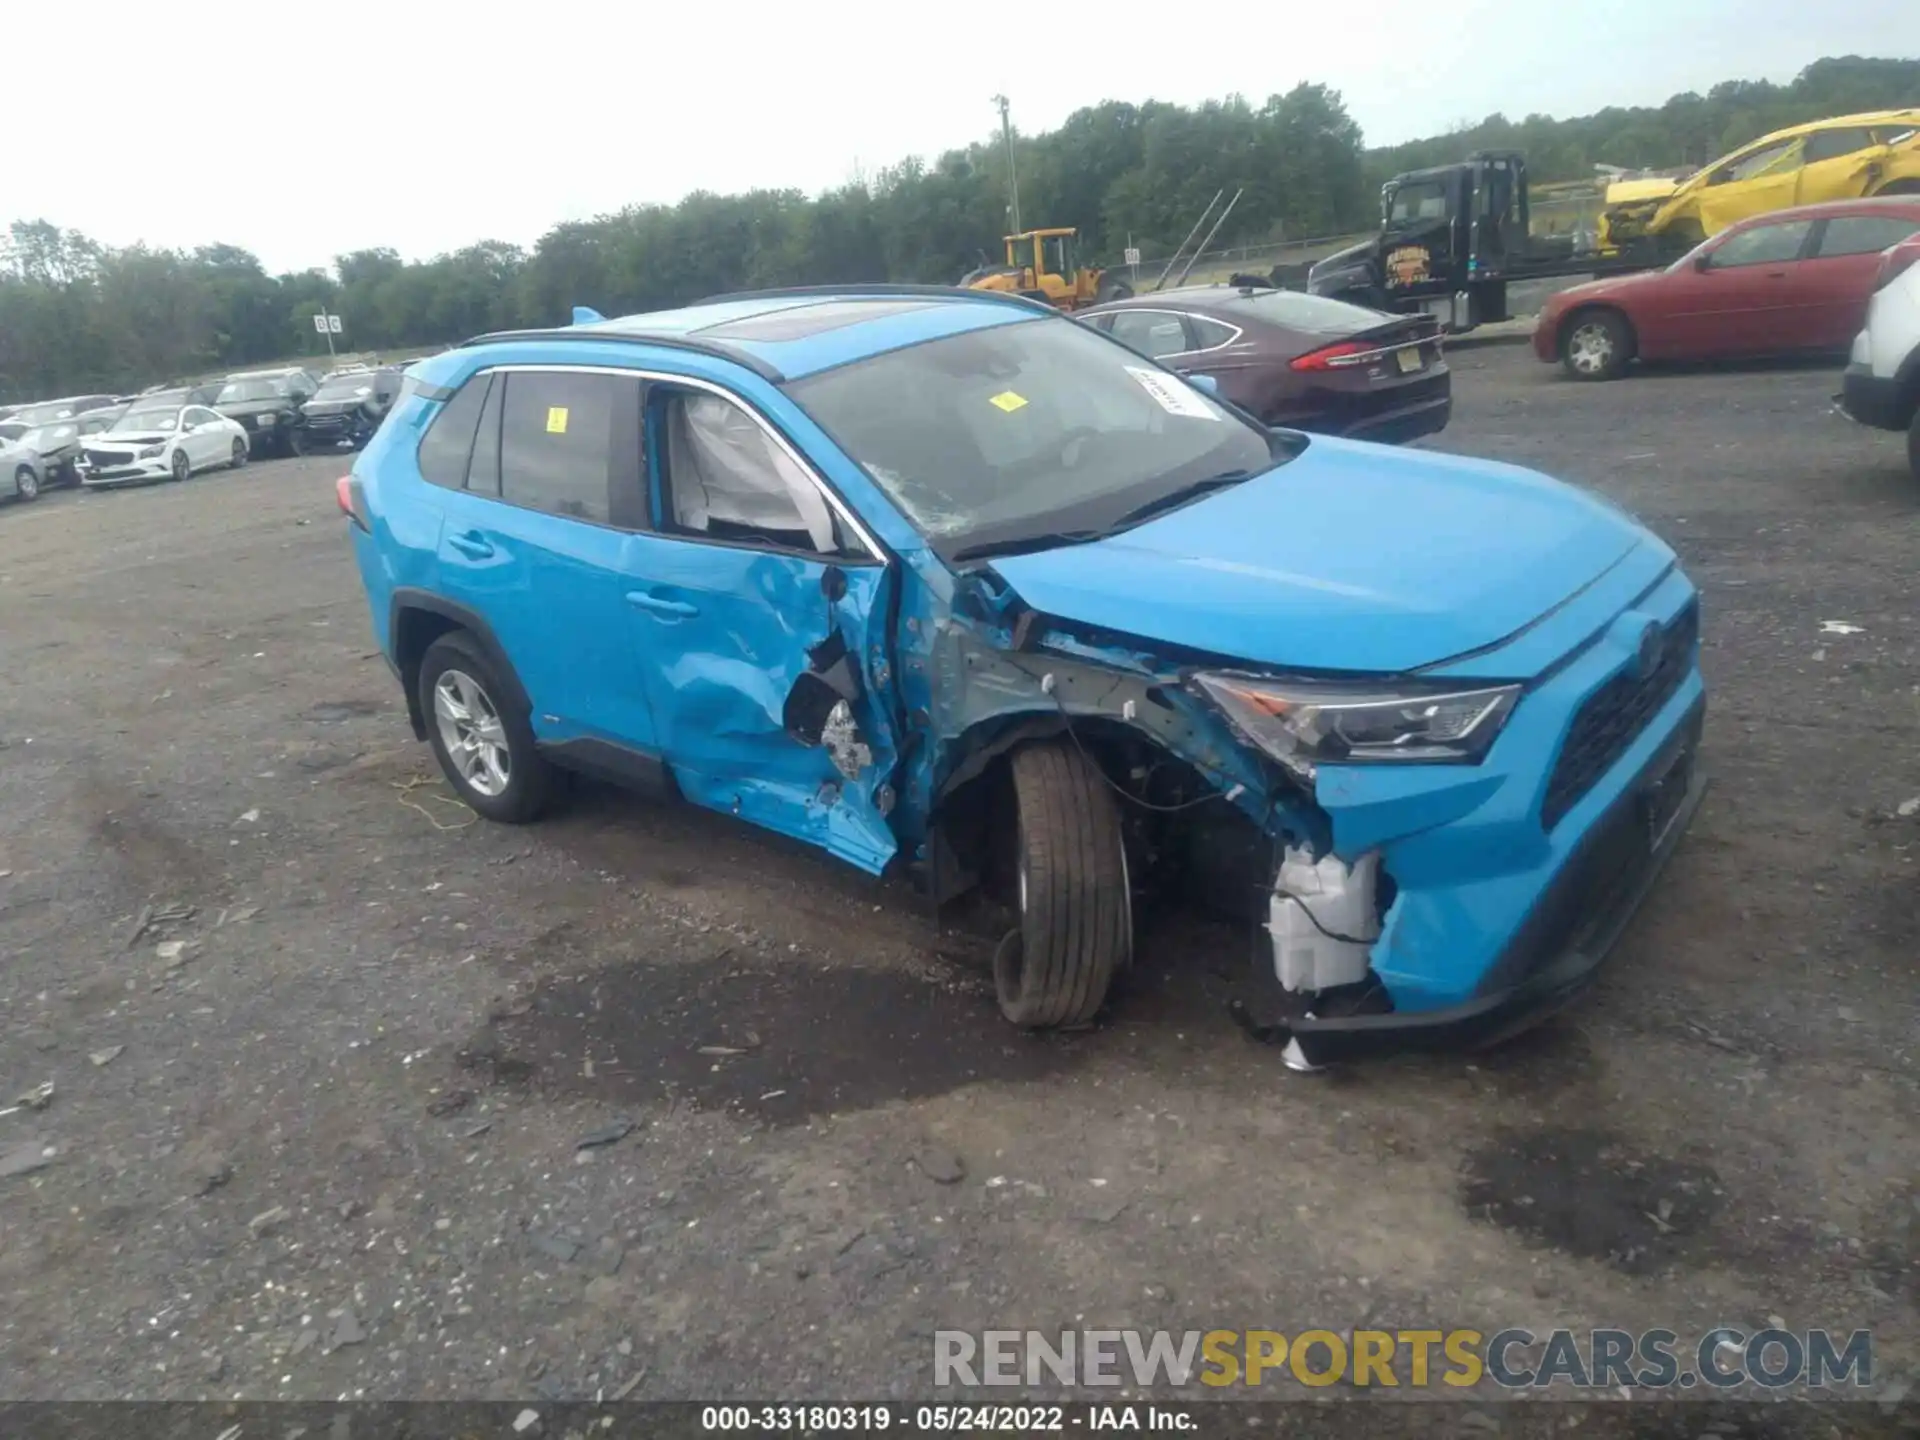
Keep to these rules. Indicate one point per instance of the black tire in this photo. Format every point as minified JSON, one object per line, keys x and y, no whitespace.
{"x":1111,"y":289}
{"x":1900,"y":187}
{"x":180,"y":467}
{"x":1913,"y":444}
{"x":1076,"y":919}
{"x":1596,"y":344}
{"x":242,"y":452}
{"x":529,"y":783}
{"x":26,"y":484}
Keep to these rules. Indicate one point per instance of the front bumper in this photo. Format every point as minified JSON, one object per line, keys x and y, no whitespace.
{"x":1569,"y":934}
{"x":141,"y":472}
{"x":1511,"y":878}
{"x":1871,"y":399}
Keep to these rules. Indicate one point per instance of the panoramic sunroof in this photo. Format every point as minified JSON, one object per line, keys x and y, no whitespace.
{"x":805,"y":320}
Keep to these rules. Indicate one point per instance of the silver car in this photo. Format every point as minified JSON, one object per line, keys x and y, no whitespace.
{"x":22,"y":471}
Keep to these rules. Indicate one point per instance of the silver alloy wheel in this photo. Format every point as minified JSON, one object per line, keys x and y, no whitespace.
{"x":239,"y":453}
{"x":182,"y":467}
{"x":471,"y":731}
{"x":27,"y":483}
{"x":1590,"y":348}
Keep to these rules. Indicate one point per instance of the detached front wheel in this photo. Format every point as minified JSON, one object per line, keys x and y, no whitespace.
{"x":1076,"y":916}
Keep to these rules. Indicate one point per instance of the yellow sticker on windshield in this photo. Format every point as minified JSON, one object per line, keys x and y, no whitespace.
{"x":1008,"y":401}
{"x":556,"y":419}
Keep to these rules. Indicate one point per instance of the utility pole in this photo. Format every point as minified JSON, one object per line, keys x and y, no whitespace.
{"x":1013,"y":181}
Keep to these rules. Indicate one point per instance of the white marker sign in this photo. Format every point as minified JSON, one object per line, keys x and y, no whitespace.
{"x":1174,"y":398}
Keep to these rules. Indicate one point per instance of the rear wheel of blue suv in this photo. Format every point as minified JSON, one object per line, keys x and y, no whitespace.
{"x":483,"y":743}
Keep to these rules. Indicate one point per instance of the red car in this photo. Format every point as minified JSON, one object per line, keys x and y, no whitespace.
{"x":1785,"y":282}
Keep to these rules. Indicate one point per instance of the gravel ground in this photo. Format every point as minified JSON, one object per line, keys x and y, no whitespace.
{"x":314,"y":1124}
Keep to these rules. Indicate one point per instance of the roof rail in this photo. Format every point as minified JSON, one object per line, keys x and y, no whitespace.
{"x":884,"y":291}
{"x":607,"y":334}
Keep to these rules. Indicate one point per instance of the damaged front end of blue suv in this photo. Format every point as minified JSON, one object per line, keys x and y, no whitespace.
{"x":948,"y":581}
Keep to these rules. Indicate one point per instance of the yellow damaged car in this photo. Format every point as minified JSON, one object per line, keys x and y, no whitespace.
{"x":1845,"y":158}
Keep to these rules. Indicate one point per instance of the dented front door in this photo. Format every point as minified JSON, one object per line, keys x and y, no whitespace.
{"x":727,"y":637}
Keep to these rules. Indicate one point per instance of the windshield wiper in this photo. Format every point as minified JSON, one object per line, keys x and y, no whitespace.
{"x":1192,"y":490}
{"x":1018,"y":544}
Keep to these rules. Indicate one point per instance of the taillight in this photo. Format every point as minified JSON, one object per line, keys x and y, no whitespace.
{"x":1334,"y":357}
{"x":1896,"y":262}
{"x":353,"y":502}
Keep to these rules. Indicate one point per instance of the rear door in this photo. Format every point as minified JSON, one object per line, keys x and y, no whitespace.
{"x":1837,"y":164}
{"x":758,"y":609}
{"x":1833,"y":285}
{"x":535,"y":542}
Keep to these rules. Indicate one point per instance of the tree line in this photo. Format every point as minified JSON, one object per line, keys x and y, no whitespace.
{"x":79,"y":316}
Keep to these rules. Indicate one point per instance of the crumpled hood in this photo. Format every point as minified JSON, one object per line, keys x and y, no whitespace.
{"x":1351,"y":557}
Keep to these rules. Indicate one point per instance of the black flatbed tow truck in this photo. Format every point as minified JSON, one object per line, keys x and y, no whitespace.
{"x":1453,"y":238}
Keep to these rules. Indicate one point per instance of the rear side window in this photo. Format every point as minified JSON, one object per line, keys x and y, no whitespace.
{"x":567,"y":440}
{"x":1209,"y":333}
{"x":1865,"y":234}
{"x":483,"y":475}
{"x":1832,"y":144}
{"x":448,"y":443}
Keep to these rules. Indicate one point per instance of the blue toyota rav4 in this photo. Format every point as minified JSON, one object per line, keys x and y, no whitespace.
{"x":950,"y":581}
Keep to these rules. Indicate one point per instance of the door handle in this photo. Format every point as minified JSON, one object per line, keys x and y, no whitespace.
{"x":678,"y":609}
{"x":1776,"y":274}
{"x":473,"y":544}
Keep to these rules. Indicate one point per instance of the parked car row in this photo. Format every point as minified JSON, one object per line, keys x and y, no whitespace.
{"x":172,"y":432}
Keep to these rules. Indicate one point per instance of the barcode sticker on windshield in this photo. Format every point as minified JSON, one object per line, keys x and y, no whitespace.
{"x":1174,"y":398}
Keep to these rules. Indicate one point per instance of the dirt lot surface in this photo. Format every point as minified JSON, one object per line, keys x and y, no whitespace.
{"x":314,"y":1127}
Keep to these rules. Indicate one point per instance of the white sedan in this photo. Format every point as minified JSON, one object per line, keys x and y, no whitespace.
{"x":169,"y":442}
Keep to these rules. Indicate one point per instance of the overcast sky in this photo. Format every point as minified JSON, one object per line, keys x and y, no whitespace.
{"x":443,"y":124}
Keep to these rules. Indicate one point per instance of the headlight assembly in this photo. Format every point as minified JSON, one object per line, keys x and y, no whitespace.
{"x":153,"y":452}
{"x":1306,"y":725}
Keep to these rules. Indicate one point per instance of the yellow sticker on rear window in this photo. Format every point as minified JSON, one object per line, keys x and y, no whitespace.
{"x":556,"y":419}
{"x":1008,"y":401}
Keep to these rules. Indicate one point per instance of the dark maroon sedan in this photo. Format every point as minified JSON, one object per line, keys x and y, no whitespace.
{"x":1300,"y":361}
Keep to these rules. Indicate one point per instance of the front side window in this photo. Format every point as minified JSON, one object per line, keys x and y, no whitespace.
{"x":1004,"y":435}
{"x":1151,"y":332}
{"x":1865,"y":234}
{"x":1780,"y":159}
{"x":727,"y":478}
{"x":1763,"y":245}
{"x":1418,"y":200}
